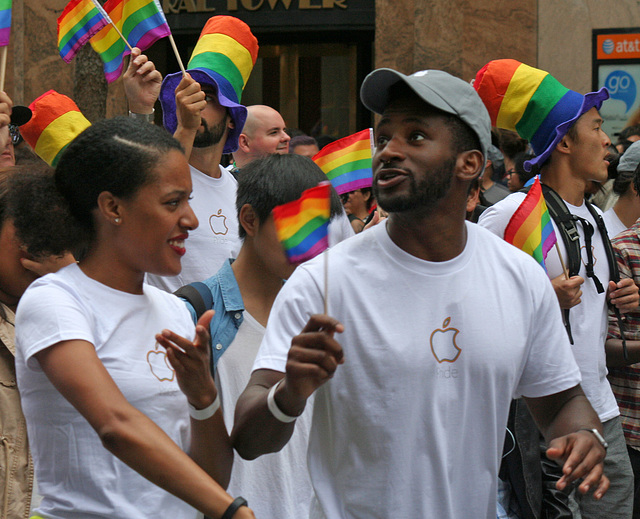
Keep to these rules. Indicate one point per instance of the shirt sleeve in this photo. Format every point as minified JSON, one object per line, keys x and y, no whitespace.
{"x":550,"y":366}
{"x":496,"y":217}
{"x":47,"y":315}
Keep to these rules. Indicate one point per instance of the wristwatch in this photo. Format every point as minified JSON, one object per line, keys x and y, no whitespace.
{"x":598,"y":436}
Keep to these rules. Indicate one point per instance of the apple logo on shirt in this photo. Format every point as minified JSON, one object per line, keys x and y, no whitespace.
{"x":443,"y":343}
{"x":159,"y":364}
{"x":218,"y":223}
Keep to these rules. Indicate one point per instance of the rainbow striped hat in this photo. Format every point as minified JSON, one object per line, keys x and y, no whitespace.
{"x":223,"y":58}
{"x":56,"y":121}
{"x":532,"y":103}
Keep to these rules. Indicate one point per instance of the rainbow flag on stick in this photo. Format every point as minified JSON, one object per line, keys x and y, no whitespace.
{"x":5,"y":22}
{"x":79,"y":21}
{"x":56,"y":121}
{"x":302,"y":225}
{"x":140,"y":22}
{"x":530,"y":228}
{"x":347,"y":162}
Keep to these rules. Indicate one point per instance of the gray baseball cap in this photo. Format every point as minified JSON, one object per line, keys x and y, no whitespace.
{"x":437,"y":88}
{"x":630,"y":158}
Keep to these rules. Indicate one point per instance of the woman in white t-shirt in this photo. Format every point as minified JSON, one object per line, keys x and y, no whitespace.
{"x":112,"y":405}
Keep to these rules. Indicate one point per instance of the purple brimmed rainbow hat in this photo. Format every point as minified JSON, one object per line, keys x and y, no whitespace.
{"x":223,"y":59}
{"x":532,"y":103}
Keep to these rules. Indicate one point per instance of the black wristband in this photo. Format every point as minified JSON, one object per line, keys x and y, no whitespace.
{"x":233,"y":507}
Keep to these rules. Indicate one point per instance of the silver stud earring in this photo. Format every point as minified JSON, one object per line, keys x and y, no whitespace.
{"x":117,"y":220}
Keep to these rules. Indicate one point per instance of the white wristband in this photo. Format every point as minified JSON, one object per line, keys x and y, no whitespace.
{"x":207,"y":412}
{"x":273,"y":407}
{"x":149,"y":118}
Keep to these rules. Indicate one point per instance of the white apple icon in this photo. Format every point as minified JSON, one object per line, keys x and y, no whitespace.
{"x":443,"y":343}
{"x":218,"y":224}
{"x":159,"y":364}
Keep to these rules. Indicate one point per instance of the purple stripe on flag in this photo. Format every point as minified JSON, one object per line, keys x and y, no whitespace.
{"x":312,"y":252}
{"x":152,"y":36}
{"x":115,"y":74}
{"x":4,"y":36}
{"x":352,"y":186}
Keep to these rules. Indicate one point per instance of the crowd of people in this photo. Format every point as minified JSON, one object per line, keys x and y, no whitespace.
{"x":161,"y":357}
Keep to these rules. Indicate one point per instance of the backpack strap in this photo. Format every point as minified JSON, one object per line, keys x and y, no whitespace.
{"x":567,"y":223}
{"x":614,"y":272}
{"x":198,"y":295}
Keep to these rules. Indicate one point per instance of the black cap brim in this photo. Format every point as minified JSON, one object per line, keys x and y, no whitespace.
{"x":20,"y":115}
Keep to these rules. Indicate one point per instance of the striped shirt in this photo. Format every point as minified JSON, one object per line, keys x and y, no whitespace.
{"x":625,"y":382}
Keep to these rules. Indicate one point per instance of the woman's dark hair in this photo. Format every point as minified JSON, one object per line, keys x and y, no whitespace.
{"x":115,"y":155}
{"x":39,"y":213}
{"x":276,"y":180}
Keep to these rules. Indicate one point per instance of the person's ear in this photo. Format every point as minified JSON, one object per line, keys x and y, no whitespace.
{"x":366,"y":195}
{"x":564,"y":146}
{"x":249,"y":220}
{"x":243,"y":143}
{"x":469,"y":164}
{"x":110,"y":208}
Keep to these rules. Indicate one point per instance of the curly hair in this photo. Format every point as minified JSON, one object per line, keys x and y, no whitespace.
{"x":39,"y":213}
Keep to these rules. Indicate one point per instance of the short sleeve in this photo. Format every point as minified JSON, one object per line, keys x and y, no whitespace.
{"x":46,"y":315}
{"x":496,"y":217}
{"x":550,"y":366}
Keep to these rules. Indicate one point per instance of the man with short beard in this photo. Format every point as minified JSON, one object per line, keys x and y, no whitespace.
{"x":412,"y":389}
{"x":202,"y":111}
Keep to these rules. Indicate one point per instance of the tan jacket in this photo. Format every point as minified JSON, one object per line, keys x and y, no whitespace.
{"x":16,"y":469}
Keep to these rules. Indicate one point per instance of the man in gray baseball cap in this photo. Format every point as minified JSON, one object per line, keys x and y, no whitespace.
{"x":412,"y":384}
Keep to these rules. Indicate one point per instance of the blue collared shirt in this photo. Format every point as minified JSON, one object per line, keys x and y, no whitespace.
{"x":229,"y":307}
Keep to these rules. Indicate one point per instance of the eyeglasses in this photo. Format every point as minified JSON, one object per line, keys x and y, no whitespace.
{"x":14,"y":132}
{"x":344,"y":197}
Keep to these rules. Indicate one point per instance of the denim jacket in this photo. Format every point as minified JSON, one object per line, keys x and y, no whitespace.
{"x":227,"y":302}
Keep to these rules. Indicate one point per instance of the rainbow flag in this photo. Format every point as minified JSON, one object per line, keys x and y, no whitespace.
{"x":5,"y":22}
{"x":530,"y":228}
{"x":141,"y":22}
{"x":347,"y":162}
{"x":302,"y":225}
{"x":56,"y":121}
{"x":79,"y":21}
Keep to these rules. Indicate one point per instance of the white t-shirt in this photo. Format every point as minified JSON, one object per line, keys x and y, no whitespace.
{"x":216,"y":238}
{"x":613,"y":224}
{"x":77,"y":476}
{"x":277,"y":485}
{"x":340,"y":229}
{"x":589,"y":318}
{"x":412,"y":424}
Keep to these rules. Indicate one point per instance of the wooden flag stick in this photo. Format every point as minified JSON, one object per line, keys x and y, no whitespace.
{"x":108,"y":18}
{"x":564,"y":269}
{"x":175,"y":51}
{"x":3,"y":66}
{"x":326,"y":282}
{"x":120,"y":34}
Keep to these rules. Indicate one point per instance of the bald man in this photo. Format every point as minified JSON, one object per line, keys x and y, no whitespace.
{"x":263,"y":134}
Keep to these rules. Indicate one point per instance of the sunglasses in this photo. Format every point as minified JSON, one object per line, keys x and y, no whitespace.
{"x":14,"y":132}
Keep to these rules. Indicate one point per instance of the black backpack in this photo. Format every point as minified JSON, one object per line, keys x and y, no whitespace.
{"x":566,"y":223}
